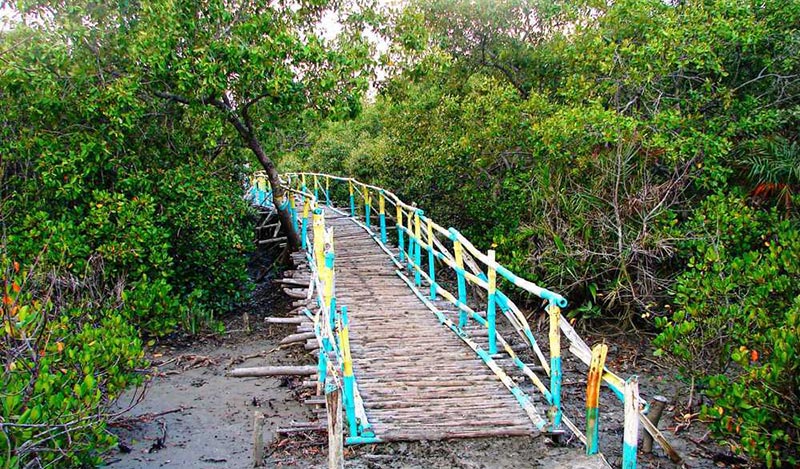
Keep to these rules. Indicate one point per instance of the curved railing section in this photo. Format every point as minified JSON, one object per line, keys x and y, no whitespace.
{"x":422,"y":247}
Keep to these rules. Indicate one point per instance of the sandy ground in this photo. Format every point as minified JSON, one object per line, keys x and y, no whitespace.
{"x":193,"y":416}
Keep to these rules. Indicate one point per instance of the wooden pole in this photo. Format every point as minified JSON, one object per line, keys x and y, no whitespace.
{"x":431,"y":258}
{"x":656,"y":409}
{"x":555,"y":365}
{"x":491,"y":310}
{"x":258,"y":439}
{"x":599,"y":353}
{"x":631,"y":429}
{"x":382,"y":215}
{"x":333,"y":404}
{"x":272,"y":371}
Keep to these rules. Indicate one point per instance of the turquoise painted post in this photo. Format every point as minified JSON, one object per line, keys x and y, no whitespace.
{"x":399,"y":225}
{"x":293,"y":212}
{"x":431,"y":258}
{"x":411,"y":241}
{"x":462,"y":283}
{"x":304,"y":231}
{"x":382,"y":216}
{"x":348,"y":378}
{"x":417,"y":248}
{"x":555,"y":365}
{"x":352,"y":201}
{"x":491,"y":309}
{"x":367,"y":208}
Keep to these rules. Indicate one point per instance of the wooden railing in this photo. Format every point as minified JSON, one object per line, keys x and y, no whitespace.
{"x":415,"y":233}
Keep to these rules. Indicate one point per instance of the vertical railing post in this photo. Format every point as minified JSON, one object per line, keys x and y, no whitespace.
{"x":318,"y":226}
{"x":328,"y":191}
{"x":399,"y":224}
{"x":411,"y":241}
{"x":316,"y":187}
{"x":431,"y":259}
{"x":630,"y":438}
{"x":594,"y":379}
{"x":352,"y":200}
{"x":293,"y":211}
{"x":307,"y":206}
{"x":347,"y":372}
{"x":458,"y":253}
{"x":367,"y":207}
{"x":555,"y":366}
{"x":329,"y":296}
{"x":382,"y":215}
{"x":491,"y":309}
{"x":417,"y":248}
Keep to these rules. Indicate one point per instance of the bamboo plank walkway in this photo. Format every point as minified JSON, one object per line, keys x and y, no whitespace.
{"x":410,"y":367}
{"x":418,"y":380}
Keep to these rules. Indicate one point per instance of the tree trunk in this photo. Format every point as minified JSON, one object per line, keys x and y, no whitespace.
{"x":293,"y":238}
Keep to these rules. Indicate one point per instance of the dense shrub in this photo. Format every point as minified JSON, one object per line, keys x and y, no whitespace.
{"x":639,"y":156}
{"x":736,"y":325}
{"x":67,"y":354}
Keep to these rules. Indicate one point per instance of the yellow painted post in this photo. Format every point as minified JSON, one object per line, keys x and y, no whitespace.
{"x":316,"y":187}
{"x":417,"y":248}
{"x":399,"y":224}
{"x":318,"y":222}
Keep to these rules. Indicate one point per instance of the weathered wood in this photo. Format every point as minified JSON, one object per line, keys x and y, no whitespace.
{"x":290,"y":320}
{"x":272,"y":371}
{"x":301,"y":337}
{"x":258,"y":439}
{"x":656,"y":409}
{"x":295,"y":293}
{"x":335,"y":429}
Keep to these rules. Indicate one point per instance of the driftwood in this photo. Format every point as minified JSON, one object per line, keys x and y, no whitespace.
{"x":272,"y":371}
{"x":301,"y":337}
{"x":289,"y":320}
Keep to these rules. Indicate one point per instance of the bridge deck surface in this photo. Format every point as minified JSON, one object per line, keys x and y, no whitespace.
{"x":418,"y":380}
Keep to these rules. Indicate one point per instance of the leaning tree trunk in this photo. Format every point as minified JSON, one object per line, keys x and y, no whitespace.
{"x":292,"y":237}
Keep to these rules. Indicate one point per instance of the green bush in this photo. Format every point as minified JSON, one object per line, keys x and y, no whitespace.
{"x":736,"y":325}
{"x":66,"y":357}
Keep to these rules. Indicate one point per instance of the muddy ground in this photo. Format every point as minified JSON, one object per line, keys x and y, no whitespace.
{"x":193,"y":416}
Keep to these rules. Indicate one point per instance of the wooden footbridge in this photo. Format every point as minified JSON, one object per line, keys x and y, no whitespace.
{"x":406,"y":321}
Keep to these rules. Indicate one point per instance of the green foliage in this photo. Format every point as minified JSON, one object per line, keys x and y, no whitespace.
{"x":607,"y":149}
{"x":66,"y":356}
{"x":736,"y":325}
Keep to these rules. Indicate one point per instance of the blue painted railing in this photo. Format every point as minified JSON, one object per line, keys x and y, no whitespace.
{"x":414,"y":232}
